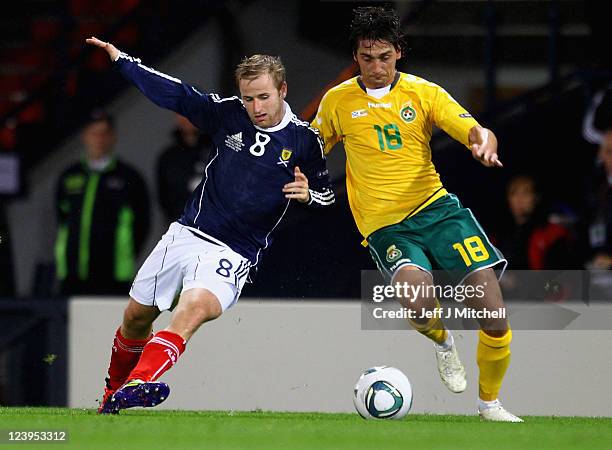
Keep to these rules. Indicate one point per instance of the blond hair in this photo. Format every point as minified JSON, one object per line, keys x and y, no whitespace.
{"x":254,"y":66}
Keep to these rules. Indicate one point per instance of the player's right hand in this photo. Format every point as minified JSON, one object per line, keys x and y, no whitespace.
{"x":298,"y":190}
{"x":112,"y":51}
{"x":483,"y":145}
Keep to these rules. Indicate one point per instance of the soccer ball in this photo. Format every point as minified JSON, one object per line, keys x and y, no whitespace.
{"x":383,"y":392}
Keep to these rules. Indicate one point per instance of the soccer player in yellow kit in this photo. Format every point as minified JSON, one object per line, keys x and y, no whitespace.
{"x":412,"y":225}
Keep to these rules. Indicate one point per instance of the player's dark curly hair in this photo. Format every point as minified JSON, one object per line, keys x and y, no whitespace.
{"x":376,"y":23}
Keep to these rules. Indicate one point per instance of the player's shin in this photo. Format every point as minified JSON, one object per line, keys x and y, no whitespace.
{"x":433,"y":327}
{"x":450,"y":368}
{"x":493,"y":357}
{"x":124,"y":357}
{"x":159,"y":355}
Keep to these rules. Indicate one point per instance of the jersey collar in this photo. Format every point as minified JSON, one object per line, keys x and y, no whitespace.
{"x":104,"y":164}
{"x":282,"y":124}
{"x":365,"y":89}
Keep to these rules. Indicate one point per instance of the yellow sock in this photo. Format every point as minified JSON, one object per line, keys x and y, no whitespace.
{"x":434,"y":329}
{"x":493,"y":358}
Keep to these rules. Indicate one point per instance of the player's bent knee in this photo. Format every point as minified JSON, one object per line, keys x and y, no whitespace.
{"x":196,"y":306}
{"x":202,"y":304}
{"x":411,"y":274}
{"x":414,"y":276}
{"x":208,"y":310}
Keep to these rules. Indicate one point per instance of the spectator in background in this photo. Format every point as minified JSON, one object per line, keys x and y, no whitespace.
{"x":103,"y":217}
{"x":597,"y":129}
{"x":529,"y":239}
{"x":600,"y":202}
{"x":180,"y":168}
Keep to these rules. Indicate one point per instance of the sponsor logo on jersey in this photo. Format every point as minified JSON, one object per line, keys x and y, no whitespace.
{"x":379,"y":105}
{"x":393,"y":253}
{"x":408,"y":114}
{"x":358,"y":113}
{"x":465,"y":115}
{"x":234,"y":141}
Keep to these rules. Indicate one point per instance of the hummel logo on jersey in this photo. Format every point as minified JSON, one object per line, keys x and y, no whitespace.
{"x":379,"y":105}
{"x":399,"y":263}
{"x":234,"y":141}
{"x":358,"y":113}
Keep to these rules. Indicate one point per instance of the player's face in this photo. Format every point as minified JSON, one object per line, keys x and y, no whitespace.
{"x":376,"y":61}
{"x":263,"y":101}
{"x":99,"y":139}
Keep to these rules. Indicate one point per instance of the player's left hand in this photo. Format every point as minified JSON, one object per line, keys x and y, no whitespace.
{"x":298,"y":189}
{"x":113,"y":52}
{"x":483,"y":145}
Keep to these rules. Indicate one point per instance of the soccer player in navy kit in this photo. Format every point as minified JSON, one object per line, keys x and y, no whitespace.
{"x":263,"y":157}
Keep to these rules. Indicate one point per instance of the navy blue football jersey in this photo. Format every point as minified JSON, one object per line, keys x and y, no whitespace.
{"x":240,"y":199}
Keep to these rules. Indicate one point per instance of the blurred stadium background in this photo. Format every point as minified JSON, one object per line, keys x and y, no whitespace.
{"x":526,"y":69}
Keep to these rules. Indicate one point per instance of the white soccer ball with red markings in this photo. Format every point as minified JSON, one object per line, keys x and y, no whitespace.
{"x":383,"y":392}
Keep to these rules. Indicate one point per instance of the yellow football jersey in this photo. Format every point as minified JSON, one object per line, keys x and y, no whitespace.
{"x":389,"y":172}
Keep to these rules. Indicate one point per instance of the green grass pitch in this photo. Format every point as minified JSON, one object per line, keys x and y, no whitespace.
{"x":163,"y":429}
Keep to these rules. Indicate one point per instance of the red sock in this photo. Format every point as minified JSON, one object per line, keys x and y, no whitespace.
{"x":159,"y":355}
{"x":124,"y":357}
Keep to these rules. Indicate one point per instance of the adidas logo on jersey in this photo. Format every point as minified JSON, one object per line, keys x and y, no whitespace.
{"x":234,"y":141}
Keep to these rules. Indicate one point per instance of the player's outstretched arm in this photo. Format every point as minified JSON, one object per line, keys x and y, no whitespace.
{"x":483,"y":145}
{"x":163,"y":90}
{"x":113,"y":52}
